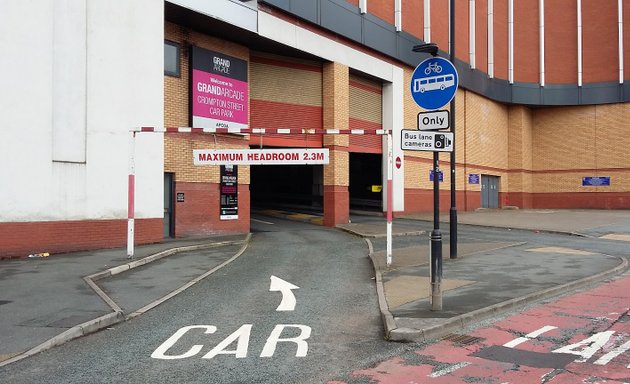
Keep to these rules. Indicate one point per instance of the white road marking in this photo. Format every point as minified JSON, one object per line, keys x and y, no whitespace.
{"x":612,"y":354}
{"x":449,"y":369}
{"x":288,"y":298}
{"x":262,"y":221}
{"x":274,"y":338}
{"x":529,"y":336}
{"x":241,"y":336}
{"x":159,"y":353}
{"x":587,"y":348}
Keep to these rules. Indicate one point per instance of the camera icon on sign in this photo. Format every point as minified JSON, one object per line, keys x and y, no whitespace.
{"x":441,"y":141}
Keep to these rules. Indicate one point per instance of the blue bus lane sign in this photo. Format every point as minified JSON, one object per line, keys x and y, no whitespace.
{"x":434,"y":83}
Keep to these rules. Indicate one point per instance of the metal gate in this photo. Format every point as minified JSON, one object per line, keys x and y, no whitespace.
{"x":489,"y":191}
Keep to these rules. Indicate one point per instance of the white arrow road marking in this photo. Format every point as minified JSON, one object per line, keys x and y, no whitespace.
{"x":288,"y":299}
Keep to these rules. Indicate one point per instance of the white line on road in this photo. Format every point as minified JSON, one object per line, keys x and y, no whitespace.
{"x":449,"y":369}
{"x":529,"y":336}
{"x":262,"y":221}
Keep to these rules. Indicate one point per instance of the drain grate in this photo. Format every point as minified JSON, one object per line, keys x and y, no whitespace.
{"x":462,"y":340}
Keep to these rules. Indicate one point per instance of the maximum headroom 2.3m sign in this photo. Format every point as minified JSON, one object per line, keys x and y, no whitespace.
{"x":285,"y":156}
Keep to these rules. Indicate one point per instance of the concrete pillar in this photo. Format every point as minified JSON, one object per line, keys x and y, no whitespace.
{"x":336,"y":94}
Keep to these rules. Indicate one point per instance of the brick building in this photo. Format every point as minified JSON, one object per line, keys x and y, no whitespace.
{"x":541,"y":121}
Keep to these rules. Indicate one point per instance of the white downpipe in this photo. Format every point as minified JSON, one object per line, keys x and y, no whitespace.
{"x":449,"y":28}
{"x":363,"y":6}
{"x":427,"y":21}
{"x":620,"y":18}
{"x":511,"y":41}
{"x":491,"y":38}
{"x":472,"y":35}
{"x":398,"y":15}
{"x":579,"y":41}
{"x":541,"y":41}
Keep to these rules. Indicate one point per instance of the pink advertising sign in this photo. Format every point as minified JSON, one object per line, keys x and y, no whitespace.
{"x":220,"y":92}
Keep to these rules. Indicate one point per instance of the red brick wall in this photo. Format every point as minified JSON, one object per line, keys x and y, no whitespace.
{"x":336,"y":203}
{"x":421,"y":200}
{"x":366,"y":100}
{"x":270,"y":114}
{"x":285,"y":93}
{"x":199,"y":213}
{"x":439,"y":26}
{"x":383,"y":9}
{"x":501,"y":39}
{"x":481,"y":35}
{"x":600,"y":41}
{"x":561,"y":42}
{"x":22,"y":239}
{"x":526,"y":47}
{"x":520,"y":199}
{"x":413,"y":18}
{"x":626,"y":38}
{"x":588,"y":200}
{"x":462,"y":28}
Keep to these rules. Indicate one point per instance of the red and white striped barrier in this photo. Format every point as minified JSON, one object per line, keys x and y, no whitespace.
{"x":256,"y":131}
{"x":253,"y":131}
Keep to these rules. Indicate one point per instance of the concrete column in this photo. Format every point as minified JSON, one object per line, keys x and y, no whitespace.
{"x":336,"y":94}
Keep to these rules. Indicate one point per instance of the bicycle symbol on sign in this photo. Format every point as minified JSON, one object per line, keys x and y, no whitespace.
{"x":433,"y":67}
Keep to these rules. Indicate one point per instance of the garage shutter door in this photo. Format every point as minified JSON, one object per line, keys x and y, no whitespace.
{"x":285,"y":93}
{"x":365,"y":113}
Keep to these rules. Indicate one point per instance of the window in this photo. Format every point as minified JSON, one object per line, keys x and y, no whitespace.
{"x":171,"y":58}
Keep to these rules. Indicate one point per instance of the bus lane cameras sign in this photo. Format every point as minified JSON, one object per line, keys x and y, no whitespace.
{"x":413,"y":140}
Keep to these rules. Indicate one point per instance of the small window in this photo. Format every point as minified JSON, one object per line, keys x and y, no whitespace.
{"x":171,"y":58}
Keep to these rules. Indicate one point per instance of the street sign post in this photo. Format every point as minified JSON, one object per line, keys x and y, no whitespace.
{"x":433,"y":85}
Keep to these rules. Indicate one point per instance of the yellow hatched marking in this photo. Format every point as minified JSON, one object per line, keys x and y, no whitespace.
{"x":617,"y":236}
{"x":567,"y":251}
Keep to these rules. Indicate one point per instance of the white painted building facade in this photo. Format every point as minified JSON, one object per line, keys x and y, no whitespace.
{"x":76,"y":76}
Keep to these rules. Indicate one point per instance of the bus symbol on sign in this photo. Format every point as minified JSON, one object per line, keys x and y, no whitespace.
{"x":434,"y":83}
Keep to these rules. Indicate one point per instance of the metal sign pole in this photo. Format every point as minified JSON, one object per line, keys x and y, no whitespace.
{"x":453,"y":209}
{"x":436,"y":241}
{"x":433,"y":85}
